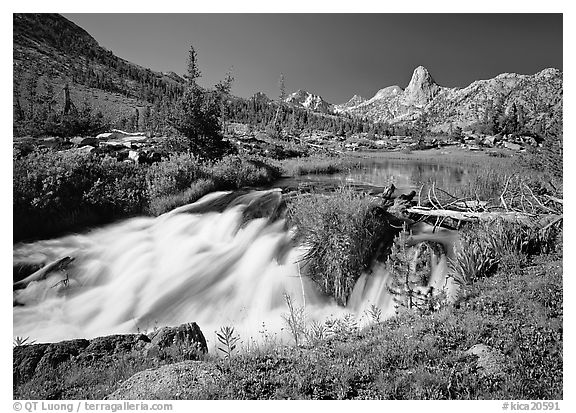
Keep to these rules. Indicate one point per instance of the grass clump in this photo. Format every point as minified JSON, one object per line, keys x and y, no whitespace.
{"x":317,"y":165}
{"x":486,"y":246}
{"x":344,"y":231}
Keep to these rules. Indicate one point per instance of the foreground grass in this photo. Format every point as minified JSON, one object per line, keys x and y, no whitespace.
{"x":414,"y":356}
{"x":518,"y":311}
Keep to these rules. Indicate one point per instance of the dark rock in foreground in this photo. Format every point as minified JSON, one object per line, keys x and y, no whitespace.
{"x":39,"y":359}
{"x":184,"y":380}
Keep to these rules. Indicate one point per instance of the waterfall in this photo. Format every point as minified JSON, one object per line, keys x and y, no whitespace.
{"x":220,"y":261}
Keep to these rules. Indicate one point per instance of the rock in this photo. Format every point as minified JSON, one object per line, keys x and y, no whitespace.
{"x":118,"y":343}
{"x":187,"y":337}
{"x":25,"y":359}
{"x":512,"y":146}
{"x":490,"y":361}
{"x":134,"y":156}
{"x":529,"y":140}
{"x":80,"y":141}
{"x":54,"y":266}
{"x":36,"y":359}
{"x":182,"y":380}
{"x":30,"y":360}
{"x":490,"y":140}
{"x":57,"y":353}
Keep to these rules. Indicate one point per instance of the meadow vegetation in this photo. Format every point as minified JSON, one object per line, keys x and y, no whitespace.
{"x":56,"y":192}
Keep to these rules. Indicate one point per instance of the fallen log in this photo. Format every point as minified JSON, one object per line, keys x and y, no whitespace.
{"x":539,"y":221}
{"x":42,"y":273}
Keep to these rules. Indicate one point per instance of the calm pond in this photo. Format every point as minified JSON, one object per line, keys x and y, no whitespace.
{"x":374,"y":175}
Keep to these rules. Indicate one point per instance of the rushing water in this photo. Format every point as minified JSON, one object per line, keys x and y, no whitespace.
{"x":220,"y":261}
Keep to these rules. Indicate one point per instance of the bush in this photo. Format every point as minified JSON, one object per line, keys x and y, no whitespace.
{"x":58,"y":191}
{"x":55,"y":192}
{"x":172,"y":175}
{"x":485,"y":246}
{"x":344,"y":232}
{"x":120,"y":189}
{"x":234,"y":172}
{"x":197,"y":190}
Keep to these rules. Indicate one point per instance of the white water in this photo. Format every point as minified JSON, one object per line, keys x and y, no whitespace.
{"x":177,"y":268}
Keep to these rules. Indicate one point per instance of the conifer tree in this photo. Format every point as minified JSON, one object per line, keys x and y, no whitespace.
{"x":197,"y":114}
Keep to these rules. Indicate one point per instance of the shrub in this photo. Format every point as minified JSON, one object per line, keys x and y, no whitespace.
{"x":343,"y":232}
{"x":120,"y":189}
{"x":56,"y":191}
{"x":233,"y":172}
{"x":484,"y":246}
{"x":172,"y":175}
{"x":197,"y":190}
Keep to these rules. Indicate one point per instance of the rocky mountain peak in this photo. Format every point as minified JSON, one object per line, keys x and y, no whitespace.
{"x":354,"y":100}
{"x":388,"y":92}
{"x":308,"y":100}
{"x":421,"y":89}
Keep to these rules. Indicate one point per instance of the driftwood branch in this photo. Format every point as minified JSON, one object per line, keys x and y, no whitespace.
{"x":504,"y":191}
{"x":519,"y":217}
{"x":553,"y":198}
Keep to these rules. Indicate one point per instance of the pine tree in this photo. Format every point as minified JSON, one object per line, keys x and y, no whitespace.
{"x":282,"y":88}
{"x":193,"y":72}
{"x":197,"y":115}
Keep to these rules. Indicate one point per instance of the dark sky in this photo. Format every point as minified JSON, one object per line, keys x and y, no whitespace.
{"x":333,"y":55}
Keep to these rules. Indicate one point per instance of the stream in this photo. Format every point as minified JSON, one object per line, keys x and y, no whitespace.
{"x":219,"y":261}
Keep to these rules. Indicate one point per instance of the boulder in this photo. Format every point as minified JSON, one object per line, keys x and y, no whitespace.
{"x":490,"y":140}
{"x":30,"y":360}
{"x":80,"y":141}
{"x":529,"y":140}
{"x":57,"y":353}
{"x":118,"y":343}
{"x":512,"y":146}
{"x":490,"y":361}
{"x":25,"y":359}
{"x":134,"y":156}
{"x":36,"y":359}
{"x":187,"y":337}
{"x":183,"y":380}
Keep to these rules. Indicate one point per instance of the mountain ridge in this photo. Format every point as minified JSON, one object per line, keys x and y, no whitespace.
{"x":444,"y":107}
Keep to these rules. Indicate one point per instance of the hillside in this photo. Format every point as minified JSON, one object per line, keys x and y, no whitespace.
{"x":49,"y":52}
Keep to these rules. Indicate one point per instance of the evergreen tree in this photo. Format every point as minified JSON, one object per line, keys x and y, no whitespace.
{"x":197,"y":115}
{"x":193,"y":72}
{"x":282,"y":88}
